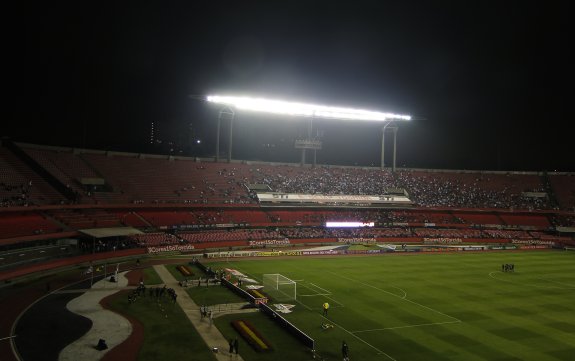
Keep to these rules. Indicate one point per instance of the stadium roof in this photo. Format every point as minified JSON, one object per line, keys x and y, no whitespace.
{"x":110,"y":232}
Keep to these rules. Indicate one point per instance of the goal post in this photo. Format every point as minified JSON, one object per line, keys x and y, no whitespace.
{"x":279,"y":287}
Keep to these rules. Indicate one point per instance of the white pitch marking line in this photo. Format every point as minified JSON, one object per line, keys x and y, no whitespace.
{"x":326,"y":296}
{"x":408,"y":326}
{"x":393,"y":294}
{"x":361,"y":339}
{"x":559,"y":283}
{"x":323,"y":289}
{"x":401,"y":289}
{"x":491,"y":274}
{"x":317,"y":294}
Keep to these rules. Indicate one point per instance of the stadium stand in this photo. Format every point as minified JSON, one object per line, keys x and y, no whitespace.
{"x":18,"y":224}
{"x":21,"y":186}
{"x":563,"y":186}
{"x":209,"y":205}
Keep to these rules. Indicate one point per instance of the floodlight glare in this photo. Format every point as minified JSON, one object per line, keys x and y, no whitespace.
{"x":349,"y":224}
{"x":303,"y":110}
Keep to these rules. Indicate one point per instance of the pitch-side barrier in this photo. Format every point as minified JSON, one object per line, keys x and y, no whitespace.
{"x":276,"y":317}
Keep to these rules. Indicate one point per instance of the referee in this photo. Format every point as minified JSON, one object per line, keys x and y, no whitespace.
{"x":325,"y":308}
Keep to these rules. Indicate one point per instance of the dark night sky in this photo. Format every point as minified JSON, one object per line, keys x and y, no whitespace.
{"x":489,"y":80}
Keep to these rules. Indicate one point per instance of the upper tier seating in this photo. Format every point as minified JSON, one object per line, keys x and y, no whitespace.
{"x":149,"y":179}
{"x":564,"y":188}
{"x":21,"y":186}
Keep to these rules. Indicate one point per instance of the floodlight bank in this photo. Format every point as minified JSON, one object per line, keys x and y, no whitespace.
{"x":303,"y":110}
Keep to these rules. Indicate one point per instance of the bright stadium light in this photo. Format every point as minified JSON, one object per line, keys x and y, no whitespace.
{"x":348,"y":224}
{"x":304,"y":110}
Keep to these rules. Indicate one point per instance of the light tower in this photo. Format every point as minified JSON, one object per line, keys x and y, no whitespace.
{"x":231,"y":104}
{"x":394,"y":129}
{"x":225,"y":112}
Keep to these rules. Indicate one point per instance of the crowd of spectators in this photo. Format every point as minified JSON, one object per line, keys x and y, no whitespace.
{"x":15,"y":195}
{"x":106,"y":245}
{"x":324,"y":180}
{"x":467,"y":190}
{"x":428,"y":189}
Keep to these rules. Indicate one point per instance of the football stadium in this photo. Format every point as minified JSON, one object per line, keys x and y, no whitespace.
{"x":163,"y":257}
{"x":280,"y":181}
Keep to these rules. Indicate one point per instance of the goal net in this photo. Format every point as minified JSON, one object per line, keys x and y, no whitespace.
{"x":279,"y":287}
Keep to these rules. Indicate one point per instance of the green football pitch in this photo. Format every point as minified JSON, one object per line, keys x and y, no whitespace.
{"x":432,"y":306}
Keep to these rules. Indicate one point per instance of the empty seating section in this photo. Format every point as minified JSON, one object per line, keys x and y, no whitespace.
{"x":131,"y":219}
{"x":68,"y":167}
{"x":21,"y":186}
{"x":85,"y":218}
{"x":102,"y":218}
{"x":526,"y":220}
{"x":168,"y":218}
{"x":205,"y":216}
{"x":478,"y":218}
{"x":545,"y":236}
{"x":564,"y":188}
{"x":25,"y":224}
{"x":119,"y":173}
{"x":72,"y":218}
{"x":254,"y":216}
{"x":159,"y":180}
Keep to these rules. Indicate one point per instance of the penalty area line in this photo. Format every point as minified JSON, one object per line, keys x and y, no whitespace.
{"x":326,"y":296}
